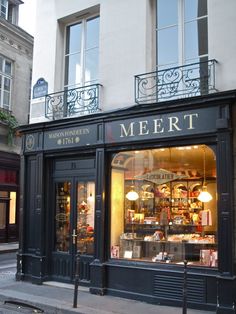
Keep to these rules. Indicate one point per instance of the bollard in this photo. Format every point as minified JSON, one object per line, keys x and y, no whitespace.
{"x":76,"y":282}
{"x":185,"y":288}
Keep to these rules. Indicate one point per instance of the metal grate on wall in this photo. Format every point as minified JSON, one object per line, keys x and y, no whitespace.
{"x":171,"y":287}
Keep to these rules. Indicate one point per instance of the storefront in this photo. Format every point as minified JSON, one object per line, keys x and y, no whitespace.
{"x":9,"y":188}
{"x":135,"y":192}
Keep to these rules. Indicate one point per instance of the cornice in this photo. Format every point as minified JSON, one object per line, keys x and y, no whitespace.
{"x":16,"y":37}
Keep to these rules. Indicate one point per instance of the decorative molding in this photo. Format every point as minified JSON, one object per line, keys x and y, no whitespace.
{"x":13,"y":43}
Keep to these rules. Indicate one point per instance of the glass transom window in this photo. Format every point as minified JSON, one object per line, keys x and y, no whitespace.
{"x":164,"y":206}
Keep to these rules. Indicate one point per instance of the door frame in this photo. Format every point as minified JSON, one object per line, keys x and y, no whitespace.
{"x":59,"y":260}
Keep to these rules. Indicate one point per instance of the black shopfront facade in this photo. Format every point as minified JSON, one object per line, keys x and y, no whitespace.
{"x":122,"y":190}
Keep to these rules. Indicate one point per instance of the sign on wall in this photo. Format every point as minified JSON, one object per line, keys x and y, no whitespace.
{"x":40,"y":89}
{"x":181,"y":123}
{"x":70,"y":137}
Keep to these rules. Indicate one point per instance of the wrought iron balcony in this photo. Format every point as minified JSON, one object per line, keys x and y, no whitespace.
{"x":174,"y":83}
{"x":72,"y":102}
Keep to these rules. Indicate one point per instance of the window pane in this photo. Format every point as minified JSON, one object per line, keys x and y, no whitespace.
{"x":167,"y":12}
{"x":195,"y":9}
{"x":92,"y":38}
{"x":1,"y":63}
{"x":12,"y":214}
{"x":73,"y":38}
{"x":7,"y":84}
{"x":73,"y":65}
{"x":168,"y":46}
{"x":2,"y":216}
{"x":91,"y":65}
{"x":6,"y":100}
{"x":8,"y":67}
{"x":85,"y":216}
{"x":196,"y":41}
{"x":62,"y":216}
{"x":167,"y":221}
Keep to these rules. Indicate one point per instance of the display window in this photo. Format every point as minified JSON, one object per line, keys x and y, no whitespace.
{"x":164,"y":205}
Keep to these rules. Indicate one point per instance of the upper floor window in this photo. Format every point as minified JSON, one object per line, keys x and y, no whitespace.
{"x":4,"y":8}
{"x":182,"y":36}
{"x":5,"y":82}
{"x":81,"y":55}
{"x":9,"y":10}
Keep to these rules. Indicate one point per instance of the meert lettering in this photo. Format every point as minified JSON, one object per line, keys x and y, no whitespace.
{"x":155,"y":126}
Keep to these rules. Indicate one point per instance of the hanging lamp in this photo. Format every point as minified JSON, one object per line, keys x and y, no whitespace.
{"x":132,"y":195}
{"x":204,"y":195}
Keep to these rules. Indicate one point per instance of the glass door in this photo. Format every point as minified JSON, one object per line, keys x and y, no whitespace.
{"x":85,"y":217}
{"x":62,"y":216}
{"x":3,"y":220}
{"x":73,"y":227}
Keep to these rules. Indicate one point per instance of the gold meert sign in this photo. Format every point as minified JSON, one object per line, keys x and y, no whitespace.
{"x":70,"y":137}
{"x":172,"y":124}
{"x":162,"y":126}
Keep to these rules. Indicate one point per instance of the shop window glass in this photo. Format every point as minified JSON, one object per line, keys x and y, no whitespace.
{"x":165,"y":219}
{"x":8,"y":176}
{"x":85,"y":217}
{"x":62,"y":216}
{"x":12,"y":209}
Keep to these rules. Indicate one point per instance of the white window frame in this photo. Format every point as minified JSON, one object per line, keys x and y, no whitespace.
{"x":181,"y":38}
{"x":83,"y":23}
{"x":3,"y":76}
{"x":4,"y":3}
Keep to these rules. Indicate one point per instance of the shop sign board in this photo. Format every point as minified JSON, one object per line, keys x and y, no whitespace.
{"x":70,"y":137}
{"x":195,"y":121}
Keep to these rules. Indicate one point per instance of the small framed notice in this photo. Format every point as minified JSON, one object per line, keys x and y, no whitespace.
{"x":128,"y":254}
{"x":115,"y":251}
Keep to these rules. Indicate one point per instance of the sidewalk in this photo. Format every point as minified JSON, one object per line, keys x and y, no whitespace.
{"x":55,"y":298}
{"x":9,"y":247}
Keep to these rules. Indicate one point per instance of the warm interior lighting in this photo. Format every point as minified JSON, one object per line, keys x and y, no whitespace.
{"x":132,"y":195}
{"x":204,"y":195}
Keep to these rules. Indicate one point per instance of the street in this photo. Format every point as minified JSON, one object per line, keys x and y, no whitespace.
{"x":8,"y":269}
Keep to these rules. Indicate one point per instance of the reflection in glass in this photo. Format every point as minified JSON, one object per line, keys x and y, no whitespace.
{"x":167,"y":12}
{"x":92,"y":36}
{"x":74,"y":70}
{"x":194,"y":9}
{"x":91,"y":66}
{"x":73,"y":39}
{"x":62,"y":216}
{"x":85,"y":216}
{"x":196,"y":40}
{"x":168,"y":41}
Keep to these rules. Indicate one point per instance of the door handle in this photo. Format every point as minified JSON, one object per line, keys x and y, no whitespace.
{"x":74,"y":235}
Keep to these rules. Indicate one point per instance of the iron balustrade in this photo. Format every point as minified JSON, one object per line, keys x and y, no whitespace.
{"x":72,"y":102}
{"x":191,"y":80}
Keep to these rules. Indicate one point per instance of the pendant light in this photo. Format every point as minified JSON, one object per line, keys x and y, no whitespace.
{"x":204,"y":195}
{"x":132,"y":195}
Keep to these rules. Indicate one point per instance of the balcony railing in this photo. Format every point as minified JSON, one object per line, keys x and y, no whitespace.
{"x":72,"y":102}
{"x":174,"y":83}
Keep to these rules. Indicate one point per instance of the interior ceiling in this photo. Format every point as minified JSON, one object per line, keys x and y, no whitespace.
{"x":177,"y":159}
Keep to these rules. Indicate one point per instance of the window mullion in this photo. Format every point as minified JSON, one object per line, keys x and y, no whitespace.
{"x":83,"y":52}
{"x":181,"y":31}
